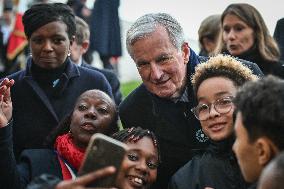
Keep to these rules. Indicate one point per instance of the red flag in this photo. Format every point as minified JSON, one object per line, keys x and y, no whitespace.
{"x":17,"y":40}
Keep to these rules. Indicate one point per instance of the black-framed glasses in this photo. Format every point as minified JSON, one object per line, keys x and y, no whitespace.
{"x":222,"y":106}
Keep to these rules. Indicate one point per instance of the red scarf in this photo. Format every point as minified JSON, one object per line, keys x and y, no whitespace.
{"x":70,"y":153}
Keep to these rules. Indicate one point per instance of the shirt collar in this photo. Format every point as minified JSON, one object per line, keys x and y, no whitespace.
{"x":183,"y":97}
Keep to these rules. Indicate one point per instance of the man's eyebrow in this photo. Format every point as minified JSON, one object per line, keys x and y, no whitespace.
{"x":164,"y":55}
{"x":142,"y":61}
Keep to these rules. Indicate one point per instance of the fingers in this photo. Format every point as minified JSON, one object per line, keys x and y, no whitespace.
{"x":11,"y":82}
{"x":7,"y":95}
{"x":82,"y":181}
{"x":7,"y":82}
{"x":4,"y":81}
{"x":93,"y":176}
{"x":5,"y":88}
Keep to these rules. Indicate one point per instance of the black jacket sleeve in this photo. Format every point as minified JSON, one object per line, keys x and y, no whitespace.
{"x":10,"y":176}
{"x":44,"y":181}
{"x":187,"y":176}
{"x":253,"y":67}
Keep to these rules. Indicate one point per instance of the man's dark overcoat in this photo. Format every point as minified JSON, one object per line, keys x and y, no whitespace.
{"x":178,"y":131}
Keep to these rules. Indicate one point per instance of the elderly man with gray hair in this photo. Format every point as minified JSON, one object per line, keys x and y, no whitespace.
{"x":165,"y":62}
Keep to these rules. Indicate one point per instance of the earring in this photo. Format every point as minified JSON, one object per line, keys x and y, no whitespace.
{"x":31,"y":55}
{"x":70,"y":133}
{"x":69,"y":53}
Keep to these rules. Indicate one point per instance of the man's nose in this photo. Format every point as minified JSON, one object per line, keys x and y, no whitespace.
{"x":156,"y":71}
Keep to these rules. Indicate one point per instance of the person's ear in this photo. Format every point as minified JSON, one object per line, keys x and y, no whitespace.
{"x":85,"y":46}
{"x":266,"y":150}
{"x":185,"y":52}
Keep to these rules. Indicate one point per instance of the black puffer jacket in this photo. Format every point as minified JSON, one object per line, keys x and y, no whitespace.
{"x":217,"y":168}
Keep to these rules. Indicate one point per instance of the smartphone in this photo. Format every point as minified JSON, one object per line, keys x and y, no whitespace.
{"x":103,"y":151}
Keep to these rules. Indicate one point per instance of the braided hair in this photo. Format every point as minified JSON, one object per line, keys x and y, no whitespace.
{"x":134,"y":134}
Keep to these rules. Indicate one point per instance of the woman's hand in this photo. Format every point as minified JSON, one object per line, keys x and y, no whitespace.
{"x":5,"y":102}
{"x":82,"y":181}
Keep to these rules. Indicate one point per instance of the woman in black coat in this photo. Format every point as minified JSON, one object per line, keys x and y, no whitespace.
{"x":245,"y":35}
{"x":215,"y":83}
{"x":45,"y":92}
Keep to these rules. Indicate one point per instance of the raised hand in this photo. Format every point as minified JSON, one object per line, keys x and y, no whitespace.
{"x":5,"y":101}
{"x":82,"y":181}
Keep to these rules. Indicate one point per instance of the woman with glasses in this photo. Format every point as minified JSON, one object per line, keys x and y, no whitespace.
{"x":215,"y":84}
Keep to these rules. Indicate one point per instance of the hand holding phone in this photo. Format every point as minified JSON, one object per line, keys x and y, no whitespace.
{"x":83,"y":181}
{"x":101,"y":152}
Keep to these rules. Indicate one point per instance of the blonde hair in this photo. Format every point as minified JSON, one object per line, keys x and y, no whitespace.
{"x":222,"y":66}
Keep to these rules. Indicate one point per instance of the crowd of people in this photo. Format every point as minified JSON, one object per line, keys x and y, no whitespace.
{"x":213,"y":120}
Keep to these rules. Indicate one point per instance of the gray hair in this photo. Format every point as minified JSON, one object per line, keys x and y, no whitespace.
{"x":148,"y":23}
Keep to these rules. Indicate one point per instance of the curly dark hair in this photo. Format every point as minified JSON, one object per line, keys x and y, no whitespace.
{"x":261,"y":104}
{"x":134,"y":134}
{"x":41,"y":14}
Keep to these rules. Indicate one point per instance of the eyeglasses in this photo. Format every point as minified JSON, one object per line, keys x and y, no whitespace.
{"x":222,"y":106}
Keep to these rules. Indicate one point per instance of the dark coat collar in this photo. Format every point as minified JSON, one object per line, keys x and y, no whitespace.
{"x":71,"y":69}
{"x":70,"y":72}
{"x":222,"y":147}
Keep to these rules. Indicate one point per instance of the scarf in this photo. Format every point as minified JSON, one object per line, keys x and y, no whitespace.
{"x":68,"y":153}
